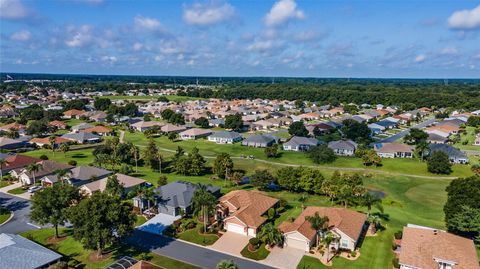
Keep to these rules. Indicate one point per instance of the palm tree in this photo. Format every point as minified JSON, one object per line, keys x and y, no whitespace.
{"x":3,"y":162}
{"x":33,"y":168}
{"x":64,"y":147}
{"x":51,"y":139}
{"x":62,"y":174}
{"x":327,"y":240}
{"x":203,"y":203}
{"x":422,"y":147}
{"x":302,"y":199}
{"x":375,"y":222}
{"x":226,"y":264}
{"x":372,"y":200}
{"x":318,"y":223}
{"x":270,"y":235}
{"x":134,"y":151}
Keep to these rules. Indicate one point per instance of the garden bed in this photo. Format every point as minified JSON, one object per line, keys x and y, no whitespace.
{"x":260,"y":254}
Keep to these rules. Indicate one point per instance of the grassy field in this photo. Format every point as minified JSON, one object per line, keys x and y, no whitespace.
{"x":174,"y":98}
{"x":469,"y":138}
{"x":73,"y":250}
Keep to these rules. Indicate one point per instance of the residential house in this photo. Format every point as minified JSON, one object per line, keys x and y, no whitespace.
{"x":225,"y":137}
{"x":446,"y":129}
{"x":82,"y":138}
{"x":15,"y":126}
{"x":194,"y":133}
{"x":455,"y":155}
{"x":47,"y":167}
{"x":99,"y":129}
{"x":170,"y":128}
{"x":299,"y":143}
{"x":129,"y":183}
{"x":84,"y":174}
{"x":20,"y":253}
{"x":343,"y":147}
{"x":98,"y":116}
{"x":17,"y":162}
{"x":260,"y":141}
{"x":73,"y":114}
{"x":263,"y":125}
{"x":388,"y":123}
{"x":82,"y":126}
{"x":376,"y":128}
{"x":429,"y":248}
{"x":243,"y":211}
{"x":60,"y":125}
{"x":46,"y":141}
{"x":347,"y":225}
{"x":216,"y":122}
{"x":434,"y":138}
{"x":394,"y":150}
{"x":8,"y":143}
{"x":145,"y":125}
{"x":175,"y":198}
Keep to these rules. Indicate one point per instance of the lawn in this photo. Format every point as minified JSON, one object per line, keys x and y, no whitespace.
{"x":258,"y":255}
{"x":4,"y":183}
{"x":18,"y":190}
{"x":194,"y":236}
{"x":174,"y":98}
{"x":73,"y":250}
{"x":4,"y":215}
{"x":140,"y":220}
{"x":469,"y":137}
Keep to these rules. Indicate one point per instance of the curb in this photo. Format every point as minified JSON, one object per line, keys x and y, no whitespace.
{"x":10,"y":218}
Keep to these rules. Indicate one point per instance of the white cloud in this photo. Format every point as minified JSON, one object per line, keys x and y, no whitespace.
{"x":21,"y":36}
{"x":420,"y":58}
{"x":148,"y":24}
{"x":208,"y":14}
{"x":283,"y":11}
{"x":260,"y":45}
{"x":449,"y":51}
{"x":13,"y":10}
{"x":465,"y":19}
{"x":137,"y":46}
{"x":109,"y":59}
{"x":79,"y":37}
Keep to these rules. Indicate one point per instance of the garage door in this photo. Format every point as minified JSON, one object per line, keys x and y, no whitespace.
{"x":296,"y":243}
{"x":235,"y":228}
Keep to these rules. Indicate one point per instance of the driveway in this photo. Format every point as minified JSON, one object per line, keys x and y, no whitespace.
{"x":157,"y":224}
{"x":187,"y":252}
{"x":231,"y":243}
{"x":284,"y":258}
{"x":21,"y":209}
{"x":26,"y":195}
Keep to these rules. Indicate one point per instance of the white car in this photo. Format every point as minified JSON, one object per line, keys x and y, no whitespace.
{"x":34,"y":189}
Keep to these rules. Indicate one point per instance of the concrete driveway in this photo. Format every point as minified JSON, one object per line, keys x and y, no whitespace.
{"x":157,"y":224}
{"x":231,"y":243}
{"x":26,"y":195}
{"x":284,"y":258}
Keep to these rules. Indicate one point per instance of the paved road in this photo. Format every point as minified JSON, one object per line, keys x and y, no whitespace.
{"x":401,"y":134}
{"x":21,"y":209}
{"x":186,"y":252}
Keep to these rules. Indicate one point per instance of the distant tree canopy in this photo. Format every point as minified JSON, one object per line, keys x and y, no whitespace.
{"x":357,"y":131}
{"x":102,"y":103}
{"x":234,"y":122}
{"x":439,"y":163}
{"x":298,"y":128}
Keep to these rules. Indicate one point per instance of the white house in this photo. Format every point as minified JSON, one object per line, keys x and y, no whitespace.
{"x":225,"y":137}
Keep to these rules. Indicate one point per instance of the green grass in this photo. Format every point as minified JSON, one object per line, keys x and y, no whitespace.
{"x":4,"y":183}
{"x":194,"y":236}
{"x":258,"y":255}
{"x":4,"y":215}
{"x":73,"y":249}
{"x":470,"y":138}
{"x":174,"y":98}
{"x":18,"y":190}
{"x":140,"y":220}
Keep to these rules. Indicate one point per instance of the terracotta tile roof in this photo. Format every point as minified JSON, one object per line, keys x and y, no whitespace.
{"x":97,"y":129}
{"x":18,"y":161}
{"x":421,"y":246}
{"x":348,"y":221}
{"x":249,"y":206}
{"x":57,"y":123}
{"x":73,"y":112}
{"x":12,"y":126}
{"x":46,"y":140}
{"x":443,"y":128}
{"x":145,"y":265}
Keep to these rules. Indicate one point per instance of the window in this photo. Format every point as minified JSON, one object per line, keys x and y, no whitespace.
{"x":344,"y":243}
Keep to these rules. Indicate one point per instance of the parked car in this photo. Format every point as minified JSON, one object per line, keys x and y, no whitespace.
{"x":34,"y":189}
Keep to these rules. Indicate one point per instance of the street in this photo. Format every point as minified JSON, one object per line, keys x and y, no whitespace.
{"x":401,"y":134}
{"x":186,"y":252}
{"x":20,"y":208}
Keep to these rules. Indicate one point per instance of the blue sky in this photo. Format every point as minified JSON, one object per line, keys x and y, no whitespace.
{"x":316,"y":38}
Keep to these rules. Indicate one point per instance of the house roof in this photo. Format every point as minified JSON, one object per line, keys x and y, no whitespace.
{"x":260,"y":139}
{"x":346,"y":220}
{"x":196,"y":132}
{"x":5,"y":141}
{"x":449,"y":150}
{"x":343,"y":144}
{"x":179,"y":193}
{"x":18,"y":252}
{"x":12,"y":126}
{"x":46,"y":140}
{"x":300,"y":140}
{"x":48,"y":167}
{"x":422,"y":245}
{"x":249,"y":205}
{"x":436,"y":137}
{"x":125,"y":180}
{"x":73,"y":112}
{"x":97,"y":129}
{"x":81,"y":136}
{"x":172,"y":128}
{"x":226,"y":135}
{"x":145,"y":265}
{"x":82,"y":126}
{"x":83,"y":173}
{"x":392,"y":147}
{"x":57,"y":123}
{"x":19,"y":161}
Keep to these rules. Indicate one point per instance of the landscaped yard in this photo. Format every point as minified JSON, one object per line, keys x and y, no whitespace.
{"x":73,"y":250}
{"x":18,"y":190}
{"x":194,"y":236}
{"x":4,"y":215}
{"x":140,"y":220}
{"x":260,"y":254}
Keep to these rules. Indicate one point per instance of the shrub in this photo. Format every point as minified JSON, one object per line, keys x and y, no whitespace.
{"x":254,"y":242}
{"x":398,"y":235}
{"x":353,"y":253}
{"x":43,"y":157}
{"x":280,"y":209}
{"x":396,"y":263}
{"x":72,"y":163}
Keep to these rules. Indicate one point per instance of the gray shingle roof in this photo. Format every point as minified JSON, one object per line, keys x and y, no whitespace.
{"x":300,"y":140}
{"x":343,"y":144}
{"x":82,"y":174}
{"x":449,"y":150}
{"x":81,"y":136}
{"x":20,"y":253}
{"x":179,"y":193}
{"x":226,"y":134}
{"x":260,"y":139}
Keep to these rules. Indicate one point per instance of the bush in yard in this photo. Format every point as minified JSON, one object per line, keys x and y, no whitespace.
{"x":396,"y":263}
{"x":353,"y":253}
{"x":43,"y":157}
{"x":398,"y":235}
{"x":254,"y":242}
{"x":72,"y":163}
{"x":439,"y":163}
